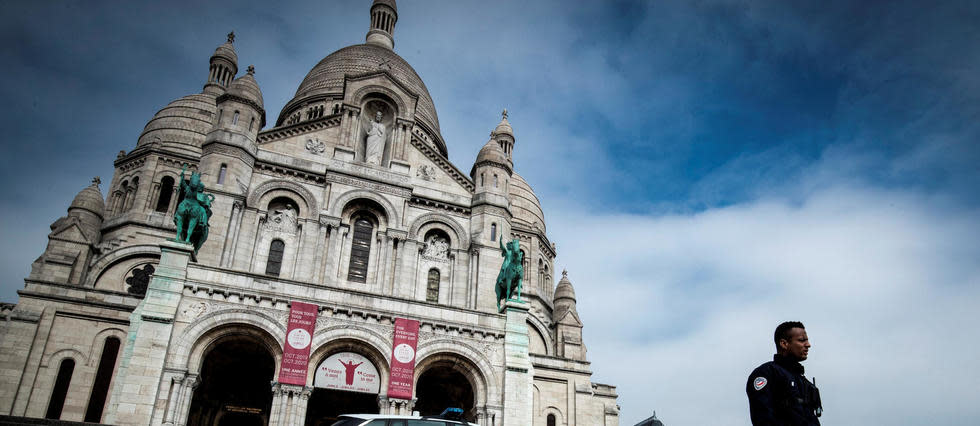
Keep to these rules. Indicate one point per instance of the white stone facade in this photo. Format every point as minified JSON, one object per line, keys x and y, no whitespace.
{"x":303,"y":194}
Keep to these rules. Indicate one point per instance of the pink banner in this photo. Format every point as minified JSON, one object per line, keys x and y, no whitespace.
{"x":403,"y":358}
{"x":299,"y":336}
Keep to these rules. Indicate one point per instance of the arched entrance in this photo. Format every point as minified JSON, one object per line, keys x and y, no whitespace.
{"x":234,"y":387}
{"x":441,"y":386}
{"x":345,"y":382}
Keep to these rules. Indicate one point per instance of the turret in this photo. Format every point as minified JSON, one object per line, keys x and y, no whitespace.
{"x":384,"y":15}
{"x":492,"y":172}
{"x":73,"y":238}
{"x":224,"y":67}
{"x":241,"y":115}
{"x":568,"y":326}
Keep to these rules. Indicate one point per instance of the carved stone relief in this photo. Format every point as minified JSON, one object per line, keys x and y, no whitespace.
{"x":315,"y":146}
{"x":436,"y":248}
{"x":282,"y":220}
{"x":427,"y":172}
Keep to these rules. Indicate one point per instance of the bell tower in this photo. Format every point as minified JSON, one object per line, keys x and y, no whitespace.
{"x":384,"y":15}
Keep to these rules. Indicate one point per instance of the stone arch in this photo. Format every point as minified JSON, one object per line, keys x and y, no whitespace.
{"x":95,"y":351}
{"x":257,"y":197}
{"x":534,"y":322}
{"x":551,"y":409}
{"x":102,"y":264}
{"x":369,"y":343}
{"x":455,"y":230}
{"x":191,"y":347}
{"x":57,"y":356}
{"x":344,"y":199}
{"x":459,"y":354}
{"x":373,"y":89}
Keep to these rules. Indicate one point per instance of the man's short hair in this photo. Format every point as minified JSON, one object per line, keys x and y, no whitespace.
{"x":782,"y":331}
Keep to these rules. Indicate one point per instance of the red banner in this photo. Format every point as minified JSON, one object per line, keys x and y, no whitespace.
{"x":403,"y":358}
{"x":299,"y":336}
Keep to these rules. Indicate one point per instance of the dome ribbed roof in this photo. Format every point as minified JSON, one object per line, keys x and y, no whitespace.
{"x":564,"y":289}
{"x":390,"y":3}
{"x":89,"y":198}
{"x":328,"y":77}
{"x":226,"y":50}
{"x":246,"y":87}
{"x":185,"y":121}
{"x":503,"y":128}
{"x":491,"y":152}
{"x":524,"y":204}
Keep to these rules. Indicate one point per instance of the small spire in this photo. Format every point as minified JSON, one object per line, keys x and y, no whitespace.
{"x":504,"y":114}
{"x":231,"y":37}
{"x":251,"y":70}
{"x":96,"y":181}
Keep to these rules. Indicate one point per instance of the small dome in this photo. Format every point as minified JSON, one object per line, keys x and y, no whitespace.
{"x":226,"y":50}
{"x":247,"y":88}
{"x":491,"y":152}
{"x":504,"y":127}
{"x":183,"y":123}
{"x":564,"y":289}
{"x":89,"y":199}
{"x":389,"y":3}
{"x":524,"y":204}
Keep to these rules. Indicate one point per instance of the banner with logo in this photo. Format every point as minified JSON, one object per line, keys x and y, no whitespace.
{"x":347,"y":371}
{"x":299,"y":336}
{"x":403,"y":358}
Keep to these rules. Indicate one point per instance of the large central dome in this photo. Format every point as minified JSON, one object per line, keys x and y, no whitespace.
{"x":328,"y":77}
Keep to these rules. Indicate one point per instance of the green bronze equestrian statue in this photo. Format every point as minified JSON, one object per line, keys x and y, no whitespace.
{"x":193,"y":212}
{"x":511,"y":272}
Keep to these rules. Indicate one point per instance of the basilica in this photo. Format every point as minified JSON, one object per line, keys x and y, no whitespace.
{"x":344,"y":265}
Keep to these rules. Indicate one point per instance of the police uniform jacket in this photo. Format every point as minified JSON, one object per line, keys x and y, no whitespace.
{"x":780,"y":395}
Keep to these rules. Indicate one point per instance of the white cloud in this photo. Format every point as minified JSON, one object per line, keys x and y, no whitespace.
{"x":679,"y":309}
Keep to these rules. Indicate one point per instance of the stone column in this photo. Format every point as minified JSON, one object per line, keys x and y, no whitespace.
{"x":231,"y":239}
{"x":184,"y":400}
{"x":289,"y":404}
{"x":342,"y":266}
{"x":141,"y":367}
{"x":321,"y":236}
{"x":518,"y":371}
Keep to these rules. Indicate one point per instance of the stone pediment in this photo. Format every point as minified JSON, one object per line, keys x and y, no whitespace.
{"x":442,"y":164}
{"x":69,"y":230}
{"x":569,"y":318}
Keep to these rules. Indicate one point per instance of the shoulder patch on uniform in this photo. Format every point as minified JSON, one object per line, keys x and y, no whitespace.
{"x":759,"y":383}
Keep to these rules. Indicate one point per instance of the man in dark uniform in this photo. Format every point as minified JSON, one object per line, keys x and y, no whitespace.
{"x":779,"y":394}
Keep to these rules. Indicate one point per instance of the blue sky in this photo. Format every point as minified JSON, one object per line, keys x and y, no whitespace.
{"x":710,"y":168}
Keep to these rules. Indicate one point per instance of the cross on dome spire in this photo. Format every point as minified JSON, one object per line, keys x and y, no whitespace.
{"x":504,"y":114}
{"x":251,"y":70}
{"x":96,"y":181}
{"x":231,"y":37}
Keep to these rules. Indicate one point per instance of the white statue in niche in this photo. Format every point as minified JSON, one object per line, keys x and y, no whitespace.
{"x":375,"y":146}
{"x":436,"y":247}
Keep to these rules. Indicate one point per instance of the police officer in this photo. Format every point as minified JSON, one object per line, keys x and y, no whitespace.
{"x":778,"y":392}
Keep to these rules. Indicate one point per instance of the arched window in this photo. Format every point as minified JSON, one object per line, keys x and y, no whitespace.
{"x":60,"y":390}
{"x":166,"y":192}
{"x":251,"y":124}
{"x":551,"y":420}
{"x":274,"y":264}
{"x":493,"y":232}
{"x":483,"y":181}
{"x":220,"y":112}
{"x":360,"y":251}
{"x":494,"y":180}
{"x":100,"y":390}
{"x":221,"y":174}
{"x":432,"y":289}
{"x":234,"y":118}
